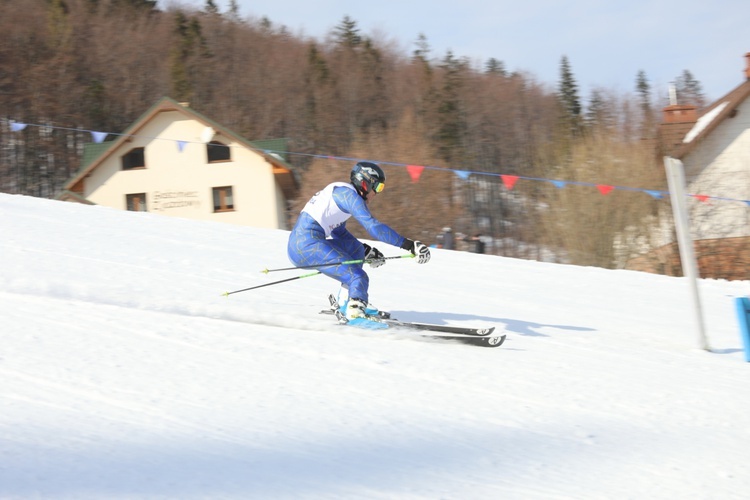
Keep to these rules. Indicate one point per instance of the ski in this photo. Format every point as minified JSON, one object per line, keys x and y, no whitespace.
{"x":458,"y":330}
{"x":474,"y":336}
{"x":467,"y":335}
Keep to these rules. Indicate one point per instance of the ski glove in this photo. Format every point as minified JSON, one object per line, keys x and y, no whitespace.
{"x":417,"y":249}
{"x":373,"y":256}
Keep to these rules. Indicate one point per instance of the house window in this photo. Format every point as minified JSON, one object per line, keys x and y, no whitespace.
{"x":218,"y":152}
{"x":136,"y":202}
{"x":135,"y":158}
{"x":223,"y":199}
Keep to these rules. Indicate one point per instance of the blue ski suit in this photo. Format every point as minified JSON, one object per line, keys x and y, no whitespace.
{"x":320,"y":236}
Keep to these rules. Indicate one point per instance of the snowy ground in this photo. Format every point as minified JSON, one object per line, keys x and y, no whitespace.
{"x":125,"y":374}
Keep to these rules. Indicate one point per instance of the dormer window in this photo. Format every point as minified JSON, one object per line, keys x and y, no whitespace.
{"x":135,"y":158}
{"x":218,"y":152}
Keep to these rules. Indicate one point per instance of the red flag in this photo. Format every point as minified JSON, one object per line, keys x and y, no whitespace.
{"x":604,"y":189}
{"x":509,"y":181}
{"x":701,"y":197}
{"x":415,"y":171}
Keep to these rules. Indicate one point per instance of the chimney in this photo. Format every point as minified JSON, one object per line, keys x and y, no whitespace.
{"x":680,"y":113}
{"x":747,"y":66}
{"x":678,"y":120}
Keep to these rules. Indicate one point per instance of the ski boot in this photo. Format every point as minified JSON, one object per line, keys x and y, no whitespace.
{"x":356,"y":315}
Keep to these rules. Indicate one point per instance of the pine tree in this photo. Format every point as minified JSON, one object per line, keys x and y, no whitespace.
{"x":689,"y":90}
{"x":180,"y":85}
{"x":190,"y":43}
{"x":234,"y":11}
{"x":211,"y":7}
{"x":422,"y":52}
{"x":643,"y":89}
{"x":58,"y":23}
{"x":568,"y":96}
{"x":347,"y":33}
{"x":495,"y":67}
{"x":568,"y":89}
{"x":596,"y":109}
{"x":451,"y":122}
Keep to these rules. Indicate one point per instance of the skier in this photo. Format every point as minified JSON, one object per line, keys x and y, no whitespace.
{"x":320,"y":235}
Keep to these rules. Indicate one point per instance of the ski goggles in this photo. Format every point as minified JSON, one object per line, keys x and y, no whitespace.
{"x":378,"y":187}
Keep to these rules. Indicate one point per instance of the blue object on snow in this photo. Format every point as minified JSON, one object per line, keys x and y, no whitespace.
{"x":743,"y":316}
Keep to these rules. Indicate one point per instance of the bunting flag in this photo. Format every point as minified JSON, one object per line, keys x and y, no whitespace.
{"x":415,"y":171}
{"x":509,"y":181}
{"x":98,"y":136}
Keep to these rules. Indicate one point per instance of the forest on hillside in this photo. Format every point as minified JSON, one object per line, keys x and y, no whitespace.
{"x":69,"y":66}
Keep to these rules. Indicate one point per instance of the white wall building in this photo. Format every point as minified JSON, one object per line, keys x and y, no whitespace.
{"x":715,"y":151}
{"x":713,"y":144}
{"x":175,"y":161}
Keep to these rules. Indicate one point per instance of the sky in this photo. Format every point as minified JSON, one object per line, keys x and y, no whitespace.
{"x":126,"y":374}
{"x":607,"y":43}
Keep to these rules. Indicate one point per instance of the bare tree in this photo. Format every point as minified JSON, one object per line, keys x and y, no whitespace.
{"x":75,"y":65}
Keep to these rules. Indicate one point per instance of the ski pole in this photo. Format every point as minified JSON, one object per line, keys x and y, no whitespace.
{"x":342,"y":263}
{"x":313,"y":266}
{"x":226,"y":294}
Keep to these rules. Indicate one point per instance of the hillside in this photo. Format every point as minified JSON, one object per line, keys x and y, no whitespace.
{"x":126,"y":374}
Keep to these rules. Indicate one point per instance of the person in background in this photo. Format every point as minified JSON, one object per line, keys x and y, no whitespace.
{"x":447,"y":238}
{"x":477,"y":244}
{"x":320,"y":236}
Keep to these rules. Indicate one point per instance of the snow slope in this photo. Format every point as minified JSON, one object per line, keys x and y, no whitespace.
{"x":125,"y":374}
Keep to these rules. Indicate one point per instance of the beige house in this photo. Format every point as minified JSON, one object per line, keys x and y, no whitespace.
{"x":714,"y":146}
{"x":175,"y":161}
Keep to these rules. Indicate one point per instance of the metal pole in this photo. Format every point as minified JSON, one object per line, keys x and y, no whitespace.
{"x":676,"y":180}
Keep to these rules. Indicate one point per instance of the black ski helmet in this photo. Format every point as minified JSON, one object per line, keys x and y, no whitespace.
{"x":367,"y":177}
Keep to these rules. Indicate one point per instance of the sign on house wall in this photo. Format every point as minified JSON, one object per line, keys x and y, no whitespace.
{"x":166,"y":200}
